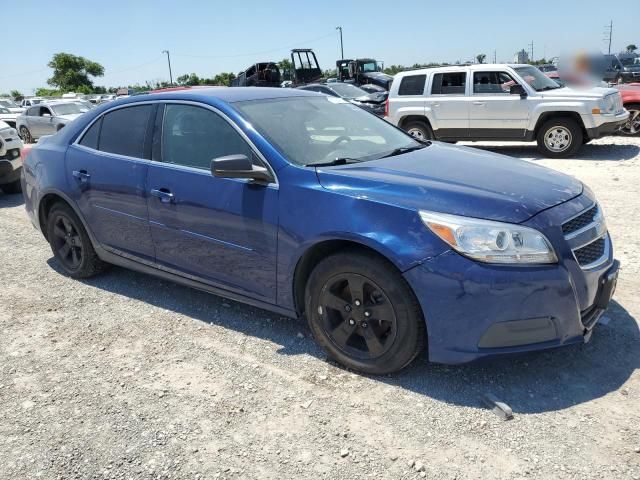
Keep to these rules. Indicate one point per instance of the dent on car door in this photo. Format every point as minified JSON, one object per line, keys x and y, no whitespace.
{"x":221,"y":231}
{"x":107,"y":172}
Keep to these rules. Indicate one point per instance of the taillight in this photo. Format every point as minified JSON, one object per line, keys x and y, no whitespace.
{"x":386,"y":107}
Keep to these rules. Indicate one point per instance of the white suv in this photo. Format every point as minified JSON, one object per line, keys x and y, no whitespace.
{"x":502,"y":102}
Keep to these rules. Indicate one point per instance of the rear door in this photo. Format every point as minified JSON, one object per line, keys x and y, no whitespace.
{"x":40,"y":122}
{"x":107,"y":172}
{"x":449,"y":104}
{"x":220,"y":231}
{"x":494,"y":112}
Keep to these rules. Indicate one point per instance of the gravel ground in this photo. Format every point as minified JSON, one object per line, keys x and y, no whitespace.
{"x":127,"y":376}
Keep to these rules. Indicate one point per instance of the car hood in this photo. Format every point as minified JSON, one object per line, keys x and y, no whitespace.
{"x":594,"y":93}
{"x":371,"y":98}
{"x":456,"y":180}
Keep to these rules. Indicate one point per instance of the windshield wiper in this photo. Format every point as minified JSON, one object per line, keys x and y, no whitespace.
{"x":335,"y":161}
{"x":401,"y":150}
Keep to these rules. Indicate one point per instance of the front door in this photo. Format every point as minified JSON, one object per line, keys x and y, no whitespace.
{"x":217,"y":230}
{"x":107,"y":171}
{"x":494,"y":112}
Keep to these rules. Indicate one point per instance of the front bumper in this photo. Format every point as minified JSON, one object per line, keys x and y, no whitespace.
{"x":474,"y":310}
{"x":609,"y":127}
{"x":10,"y":166}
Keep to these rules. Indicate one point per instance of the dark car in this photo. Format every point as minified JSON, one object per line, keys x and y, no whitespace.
{"x":372,"y":102}
{"x":308,"y":206}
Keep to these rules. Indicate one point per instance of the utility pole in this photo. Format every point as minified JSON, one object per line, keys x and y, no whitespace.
{"x":494,"y":56}
{"x":341,"y":47}
{"x":169,"y":62}
{"x":609,"y":32}
{"x":531,"y":45}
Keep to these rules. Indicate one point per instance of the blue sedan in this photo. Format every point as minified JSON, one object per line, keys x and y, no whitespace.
{"x":306,"y":205}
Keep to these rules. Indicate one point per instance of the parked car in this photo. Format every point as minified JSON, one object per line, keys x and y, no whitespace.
{"x":10,"y":105}
{"x":47,"y":118}
{"x":372,"y":88}
{"x":10,"y":162}
{"x":631,"y":100}
{"x":502,"y":102}
{"x":547,"y":68}
{"x":305,"y":205}
{"x":8,"y":117}
{"x":371,"y":102}
{"x":622,"y":67}
{"x":29,"y":102}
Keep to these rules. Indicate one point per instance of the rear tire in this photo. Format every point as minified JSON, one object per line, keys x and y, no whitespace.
{"x":25,"y":134}
{"x":419,"y":130}
{"x":363,"y":313}
{"x":559,"y":137}
{"x":71,"y":244}
{"x":11,"y":188}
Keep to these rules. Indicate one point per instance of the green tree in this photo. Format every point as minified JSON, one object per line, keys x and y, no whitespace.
{"x":47,"y":92}
{"x":224,"y":78}
{"x":631,"y":48}
{"x":16,"y":95}
{"x":286,"y":69}
{"x":481,"y":57}
{"x":71,"y":73}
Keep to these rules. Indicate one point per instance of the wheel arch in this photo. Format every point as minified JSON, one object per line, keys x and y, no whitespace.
{"x":544,"y":116}
{"x":47,"y":201}
{"x":322,"y":249}
{"x":414,"y":118}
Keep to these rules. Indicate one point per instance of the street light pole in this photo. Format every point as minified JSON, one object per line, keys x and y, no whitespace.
{"x":341,"y":47}
{"x":169,"y":61}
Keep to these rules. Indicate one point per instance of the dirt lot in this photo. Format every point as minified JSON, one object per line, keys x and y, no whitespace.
{"x":126,"y":376}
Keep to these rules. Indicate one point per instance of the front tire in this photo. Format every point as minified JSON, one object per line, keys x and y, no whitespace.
{"x":632,"y":127}
{"x":363,"y":313}
{"x":71,"y":244}
{"x":419,"y":130}
{"x":559,"y":137}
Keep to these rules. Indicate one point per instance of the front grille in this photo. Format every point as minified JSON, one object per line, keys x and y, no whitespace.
{"x":590,"y":252}
{"x":580,"y":221}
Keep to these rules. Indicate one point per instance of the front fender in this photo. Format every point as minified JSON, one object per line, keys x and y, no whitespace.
{"x":557,"y":108}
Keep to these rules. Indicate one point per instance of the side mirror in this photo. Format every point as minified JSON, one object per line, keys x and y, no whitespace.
{"x":518,"y":89}
{"x":239,"y":166}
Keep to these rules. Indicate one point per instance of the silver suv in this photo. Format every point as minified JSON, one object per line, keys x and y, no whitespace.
{"x":47,"y":118}
{"x":502,"y":102}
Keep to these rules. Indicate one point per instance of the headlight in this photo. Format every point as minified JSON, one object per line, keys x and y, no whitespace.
{"x":490,"y":242}
{"x":608,"y":104}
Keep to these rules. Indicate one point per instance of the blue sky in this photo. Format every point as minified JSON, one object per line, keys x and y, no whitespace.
{"x":207,"y":37}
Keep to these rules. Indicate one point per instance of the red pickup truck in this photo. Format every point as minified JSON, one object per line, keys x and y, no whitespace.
{"x":631,"y":99}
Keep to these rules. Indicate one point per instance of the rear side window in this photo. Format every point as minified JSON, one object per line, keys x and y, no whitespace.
{"x":193,"y":136}
{"x":412,"y":85}
{"x":90,"y":138}
{"x":123,"y":131}
{"x":452,"y":83}
{"x":33,"y":111}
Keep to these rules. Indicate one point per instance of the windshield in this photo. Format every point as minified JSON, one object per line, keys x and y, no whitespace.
{"x":347,"y":90}
{"x":68,"y":109}
{"x":315,"y":130}
{"x":630,"y":61}
{"x":8,"y":103}
{"x":369,"y":67}
{"x":4,"y":110}
{"x":536,"y":79}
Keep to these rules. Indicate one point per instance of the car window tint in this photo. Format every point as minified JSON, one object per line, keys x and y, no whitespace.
{"x":492,"y":82}
{"x":412,"y":85}
{"x":193,"y":136}
{"x":123,"y":131}
{"x":90,"y":138}
{"x":452,"y":83}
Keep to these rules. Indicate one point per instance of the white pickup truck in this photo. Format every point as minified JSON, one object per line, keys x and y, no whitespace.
{"x":502,"y":102}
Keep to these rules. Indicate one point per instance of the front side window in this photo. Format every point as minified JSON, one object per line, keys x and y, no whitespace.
{"x":412,"y":85}
{"x":452,"y":83}
{"x":123,"y":131}
{"x":314,"y":130}
{"x":492,"y":82}
{"x":193,"y":136}
{"x":44,"y":111}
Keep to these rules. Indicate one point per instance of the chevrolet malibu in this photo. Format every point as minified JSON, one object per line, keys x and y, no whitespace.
{"x":306,"y":205}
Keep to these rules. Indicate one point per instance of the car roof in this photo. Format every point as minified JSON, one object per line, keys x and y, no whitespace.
{"x":472,"y":67}
{"x":227,"y":95}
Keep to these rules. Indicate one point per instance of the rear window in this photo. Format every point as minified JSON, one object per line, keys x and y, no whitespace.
{"x":123,"y":131}
{"x":452,"y":83}
{"x":412,"y":85}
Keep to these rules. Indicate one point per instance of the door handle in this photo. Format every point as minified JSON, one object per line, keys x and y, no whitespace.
{"x":478,"y":103}
{"x":81,"y":175}
{"x":163,"y":194}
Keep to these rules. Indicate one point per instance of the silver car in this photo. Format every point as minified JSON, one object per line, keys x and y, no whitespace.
{"x":47,"y":118}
